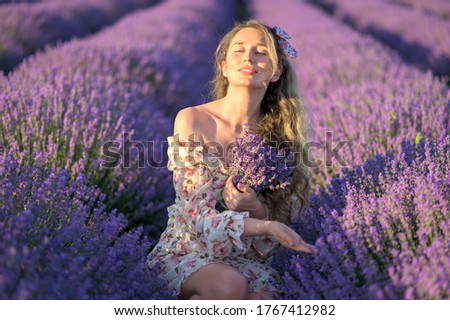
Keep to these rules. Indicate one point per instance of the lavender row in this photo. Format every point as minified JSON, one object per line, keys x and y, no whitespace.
{"x":59,"y":243}
{"x":182,"y":38}
{"x":362,"y":98}
{"x":420,"y":38}
{"x":28,"y":27}
{"x":370,"y":221}
{"x":382,"y":231}
{"x":18,"y":1}
{"x":93,"y":105}
{"x":440,"y":8}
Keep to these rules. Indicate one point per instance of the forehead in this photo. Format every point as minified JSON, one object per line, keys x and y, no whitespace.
{"x":249,"y":35}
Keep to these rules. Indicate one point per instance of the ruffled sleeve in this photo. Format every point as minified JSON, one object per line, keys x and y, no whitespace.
{"x":198,"y":179}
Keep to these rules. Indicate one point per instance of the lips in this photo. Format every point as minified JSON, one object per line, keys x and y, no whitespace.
{"x":248,"y":70}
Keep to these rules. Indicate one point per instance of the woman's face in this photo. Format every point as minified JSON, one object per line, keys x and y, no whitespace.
{"x":247,"y":61}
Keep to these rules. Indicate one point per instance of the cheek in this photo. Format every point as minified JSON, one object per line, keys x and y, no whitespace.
{"x":266,"y":69}
{"x":229,"y":65}
{"x":233,"y":60}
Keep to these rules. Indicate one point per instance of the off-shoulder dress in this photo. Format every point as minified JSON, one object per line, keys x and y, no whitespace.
{"x":200,"y":231}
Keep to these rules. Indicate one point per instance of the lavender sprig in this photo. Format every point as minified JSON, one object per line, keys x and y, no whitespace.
{"x":254,"y":162}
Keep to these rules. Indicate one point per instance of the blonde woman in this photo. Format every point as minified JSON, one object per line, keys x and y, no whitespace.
{"x":210,"y":251}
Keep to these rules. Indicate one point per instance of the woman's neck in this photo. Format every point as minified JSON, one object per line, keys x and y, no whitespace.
{"x":242,"y":105}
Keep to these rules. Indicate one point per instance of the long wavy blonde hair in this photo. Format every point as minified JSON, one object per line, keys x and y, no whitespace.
{"x":283,"y":117}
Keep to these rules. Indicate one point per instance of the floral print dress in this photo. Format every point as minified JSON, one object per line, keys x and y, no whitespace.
{"x":200,"y":231}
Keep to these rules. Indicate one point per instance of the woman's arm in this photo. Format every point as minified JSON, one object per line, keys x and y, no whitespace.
{"x":245,"y":199}
{"x":285,"y":235}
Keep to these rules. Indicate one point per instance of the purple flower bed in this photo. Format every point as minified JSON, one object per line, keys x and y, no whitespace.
{"x":27,"y":27}
{"x":73,"y":112}
{"x":440,"y":8}
{"x":19,"y":1}
{"x":420,"y":38}
{"x":59,"y":243}
{"x":71,"y":100}
{"x":382,"y":231}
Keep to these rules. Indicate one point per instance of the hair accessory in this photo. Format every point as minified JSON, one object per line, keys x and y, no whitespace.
{"x":284,"y":44}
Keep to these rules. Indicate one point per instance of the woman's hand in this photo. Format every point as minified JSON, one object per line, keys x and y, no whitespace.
{"x":242,"y":198}
{"x":289,"y":238}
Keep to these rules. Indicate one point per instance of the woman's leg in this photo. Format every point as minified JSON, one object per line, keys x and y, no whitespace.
{"x":215,"y":281}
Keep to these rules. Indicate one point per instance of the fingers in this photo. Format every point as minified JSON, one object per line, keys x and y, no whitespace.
{"x":242,"y":187}
{"x":226,"y":193}
{"x":313,"y":249}
{"x":233,"y":196}
{"x":293,"y":241}
{"x":240,"y":197}
{"x":302,"y":247}
{"x":305,"y":247}
{"x":229,"y":181}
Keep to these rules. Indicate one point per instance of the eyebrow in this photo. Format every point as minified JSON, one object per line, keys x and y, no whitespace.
{"x":259,"y":44}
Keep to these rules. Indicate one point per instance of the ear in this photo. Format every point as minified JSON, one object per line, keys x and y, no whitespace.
{"x":277,"y":75}
{"x":224,"y":69}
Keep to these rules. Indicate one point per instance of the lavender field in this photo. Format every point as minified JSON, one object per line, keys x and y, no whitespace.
{"x":416,"y":31}
{"x":28,"y":26}
{"x":84,"y":184}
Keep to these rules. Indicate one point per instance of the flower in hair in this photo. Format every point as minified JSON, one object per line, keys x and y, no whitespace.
{"x":282,"y":38}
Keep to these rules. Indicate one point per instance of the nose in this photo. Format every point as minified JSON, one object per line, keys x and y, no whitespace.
{"x":248,"y":57}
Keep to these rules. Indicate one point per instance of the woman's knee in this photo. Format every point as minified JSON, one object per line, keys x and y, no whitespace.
{"x":230,"y":284}
{"x":216,"y":281}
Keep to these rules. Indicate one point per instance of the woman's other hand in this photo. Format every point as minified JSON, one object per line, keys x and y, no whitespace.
{"x":288,"y":238}
{"x":243,"y":198}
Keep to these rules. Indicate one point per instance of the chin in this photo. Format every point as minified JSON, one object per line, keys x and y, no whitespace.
{"x":251,"y":84}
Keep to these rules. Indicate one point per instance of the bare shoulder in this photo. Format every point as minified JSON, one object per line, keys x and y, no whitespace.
{"x":191,"y":123}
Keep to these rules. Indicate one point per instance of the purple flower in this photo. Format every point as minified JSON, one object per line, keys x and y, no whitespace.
{"x":254,"y":162}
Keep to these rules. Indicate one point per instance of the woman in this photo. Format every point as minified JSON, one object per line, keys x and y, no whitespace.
{"x":212,"y":253}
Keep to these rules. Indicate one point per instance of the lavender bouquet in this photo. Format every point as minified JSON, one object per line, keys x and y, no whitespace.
{"x":256,"y":163}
